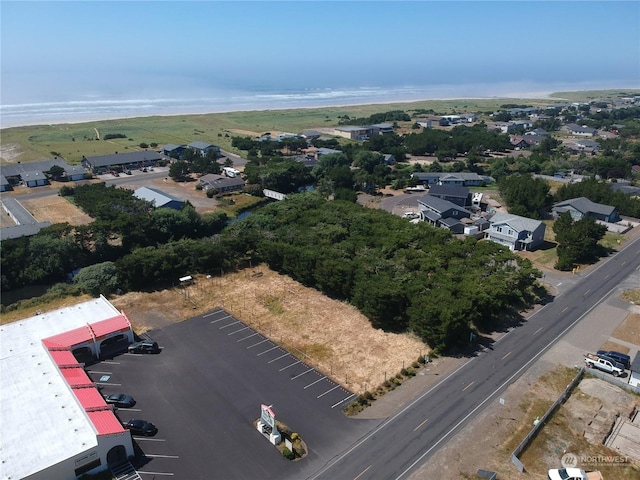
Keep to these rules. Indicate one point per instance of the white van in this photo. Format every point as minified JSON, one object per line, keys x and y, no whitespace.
{"x":231,"y":172}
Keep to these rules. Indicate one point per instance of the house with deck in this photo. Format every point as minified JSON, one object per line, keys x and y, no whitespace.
{"x":516,"y":232}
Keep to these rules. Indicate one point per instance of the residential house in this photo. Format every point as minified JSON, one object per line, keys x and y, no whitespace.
{"x":34,"y":173}
{"x":581,"y":131}
{"x":583,"y":207}
{"x":352,"y":132}
{"x":174,"y":151}
{"x":626,"y":188}
{"x":442,"y":213}
{"x":634,"y":371}
{"x":458,"y":195}
{"x":516,"y":232}
{"x":540,"y":132}
{"x":4,"y":184}
{"x":462,"y":179}
{"x":503,"y":127}
{"x":584,"y":145}
{"x":311,"y":134}
{"x":381,"y":129}
{"x":34,"y":179}
{"x":518,"y":142}
{"x":123,"y":161}
{"x":427,"y":122}
{"x":203,"y":148}
{"x":220,"y":183}
{"x":158,"y":199}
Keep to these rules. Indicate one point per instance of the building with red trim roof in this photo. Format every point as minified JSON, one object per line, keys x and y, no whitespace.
{"x":49,"y":406}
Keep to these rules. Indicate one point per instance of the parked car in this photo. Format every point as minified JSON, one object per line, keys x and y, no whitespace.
{"x":145,"y":346}
{"x":617,"y":356}
{"x":604,"y":363}
{"x":573,"y":474}
{"x":120,"y":400}
{"x":141,"y":427}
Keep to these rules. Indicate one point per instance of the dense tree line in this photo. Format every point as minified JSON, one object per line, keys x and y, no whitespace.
{"x":400,"y":275}
{"x":525,"y":196}
{"x":460,"y":139}
{"x":384,"y":117}
{"x":577,"y":240}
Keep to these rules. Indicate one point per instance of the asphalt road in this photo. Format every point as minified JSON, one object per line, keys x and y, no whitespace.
{"x":405,"y":441}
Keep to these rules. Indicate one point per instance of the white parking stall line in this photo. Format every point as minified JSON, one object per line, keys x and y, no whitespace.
{"x":281,"y":356}
{"x":238,"y":331}
{"x":212,"y":313}
{"x":221,"y":318}
{"x":343,"y":400}
{"x":156,"y":473}
{"x":109,"y":384}
{"x":229,"y":324}
{"x":319,"y":380}
{"x":101,"y":373}
{"x":248,"y":336}
{"x":149,"y":439}
{"x":328,"y":391}
{"x":153,"y":455}
{"x":267,"y":351}
{"x":303,"y":373}
{"x":106,"y":362}
{"x":288,"y":366}
{"x":256,"y":344}
{"x":132,"y":409}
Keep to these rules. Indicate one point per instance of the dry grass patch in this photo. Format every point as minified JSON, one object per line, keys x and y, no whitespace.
{"x":629,"y":330}
{"x":29,"y":308}
{"x":330,"y":335}
{"x":615,"y":347}
{"x":631,"y":296}
{"x":55,"y":209}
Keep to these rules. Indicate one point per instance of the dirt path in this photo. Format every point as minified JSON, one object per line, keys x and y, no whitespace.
{"x":97,"y":133}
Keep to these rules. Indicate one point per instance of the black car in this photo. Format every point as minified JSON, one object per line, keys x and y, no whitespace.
{"x":145,"y":346}
{"x":120,"y":400}
{"x":141,"y":427}
{"x":625,"y":360}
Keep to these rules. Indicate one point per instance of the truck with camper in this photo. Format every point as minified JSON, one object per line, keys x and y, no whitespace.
{"x":573,"y":474}
{"x":231,"y":172}
{"x":605,"y":364}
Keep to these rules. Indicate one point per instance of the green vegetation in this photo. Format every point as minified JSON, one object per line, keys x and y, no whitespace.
{"x":577,"y":240}
{"x":600,"y":192}
{"x":526,"y":196}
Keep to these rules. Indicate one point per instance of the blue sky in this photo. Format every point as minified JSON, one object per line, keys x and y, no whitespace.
{"x":62,"y":50}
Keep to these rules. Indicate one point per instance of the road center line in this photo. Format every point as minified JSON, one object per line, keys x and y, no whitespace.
{"x":506,"y":356}
{"x":538,"y":331}
{"x":586,"y":293}
{"x":468,"y":385}
{"x":363,"y":472}
{"x":425,"y":421}
{"x":565,"y":309}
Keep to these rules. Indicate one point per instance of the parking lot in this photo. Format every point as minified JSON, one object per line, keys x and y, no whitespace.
{"x":204,"y":391}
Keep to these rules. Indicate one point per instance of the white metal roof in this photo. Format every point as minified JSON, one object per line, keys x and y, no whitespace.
{"x":39,"y":414}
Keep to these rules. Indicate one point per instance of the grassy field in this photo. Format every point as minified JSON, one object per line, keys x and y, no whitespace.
{"x":72,"y":141}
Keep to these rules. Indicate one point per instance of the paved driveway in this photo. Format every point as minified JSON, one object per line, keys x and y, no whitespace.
{"x":204,"y":390}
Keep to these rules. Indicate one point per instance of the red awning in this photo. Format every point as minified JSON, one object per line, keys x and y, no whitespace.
{"x":90,"y":399}
{"x":76,"y":377}
{"x":111,"y":325}
{"x":69,"y":339}
{"x":105,"y":422}
{"x":63,"y":358}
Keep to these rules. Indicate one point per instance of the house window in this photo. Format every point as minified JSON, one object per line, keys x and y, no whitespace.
{"x":510,"y":232}
{"x":499,"y":229}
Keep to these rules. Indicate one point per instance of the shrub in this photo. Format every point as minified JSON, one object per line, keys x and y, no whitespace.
{"x":211,"y":193}
{"x":299,"y":450}
{"x":66,"y":191}
{"x":199,"y":187}
{"x":410,"y":372}
{"x":294,"y":436}
{"x":288,"y":454}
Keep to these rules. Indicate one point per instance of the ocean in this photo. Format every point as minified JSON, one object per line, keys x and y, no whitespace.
{"x":97,"y":107}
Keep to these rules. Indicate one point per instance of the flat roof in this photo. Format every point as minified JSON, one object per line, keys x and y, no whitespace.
{"x":39,"y":412}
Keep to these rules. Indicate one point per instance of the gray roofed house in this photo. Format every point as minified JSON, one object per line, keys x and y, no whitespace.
{"x":582,"y":131}
{"x":158,"y":198}
{"x":628,"y":189}
{"x":434,"y":210}
{"x":18,"y":231}
{"x":26,"y":224}
{"x":4,"y":184}
{"x":458,"y":195}
{"x":462,"y":179}
{"x":583,"y":207}
{"x":204,"y":147}
{"x":17,"y":172}
{"x":311,"y":134}
{"x":139,"y":159}
{"x":173,"y":151}
{"x":34,"y":178}
{"x":220,"y":183}
{"x":516,"y":232}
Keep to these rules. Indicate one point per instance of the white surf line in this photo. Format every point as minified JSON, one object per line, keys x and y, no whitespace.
{"x":289,"y":366}
{"x":319,"y":380}
{"x":252,"y":335}
{"x":229,"y":324}
{"x":267,"y":351}
{"x":343,"y":400}
{"x":238,"y":331}
{"x":303,"y":373}
{"x":256,"y":344}
{"x":278,"y":358}
{"x":328,"y":391}
{"x":212,"y":313}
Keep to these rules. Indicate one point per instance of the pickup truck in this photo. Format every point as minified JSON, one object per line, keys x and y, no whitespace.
{"x":573,"y":474}
{"x":609,"y":366}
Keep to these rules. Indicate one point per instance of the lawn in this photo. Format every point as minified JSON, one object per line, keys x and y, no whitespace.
{"x":72,"y":141}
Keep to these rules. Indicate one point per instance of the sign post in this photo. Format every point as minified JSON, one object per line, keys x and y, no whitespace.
{"x":267,"y":424}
